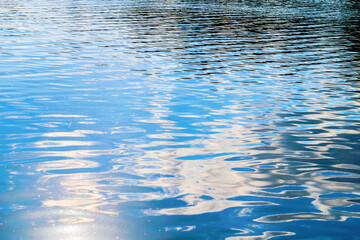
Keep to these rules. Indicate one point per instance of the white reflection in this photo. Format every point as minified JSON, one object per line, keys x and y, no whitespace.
{"x":196,"y":172}
{"x":47,"y":144}
{"x":76,"y":133}
{"x":62,"y":116}
{"x":265,"y":235}
{"x":66,"y":164}
{"x":80,"y":192}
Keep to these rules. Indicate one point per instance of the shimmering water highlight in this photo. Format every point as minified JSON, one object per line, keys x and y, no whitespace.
{"x":167,"y":119}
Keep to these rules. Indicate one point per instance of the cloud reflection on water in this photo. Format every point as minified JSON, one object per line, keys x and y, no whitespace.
{"x":170,"y":118}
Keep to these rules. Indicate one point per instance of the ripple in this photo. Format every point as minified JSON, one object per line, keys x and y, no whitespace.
{"x":265,"y":235}
{"x":179,"y":119}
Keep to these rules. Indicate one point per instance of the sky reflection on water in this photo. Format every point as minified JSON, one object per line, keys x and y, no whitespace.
{"x":179,"y":119}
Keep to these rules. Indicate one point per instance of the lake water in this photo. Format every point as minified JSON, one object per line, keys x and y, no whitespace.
{"x":179,"y":119}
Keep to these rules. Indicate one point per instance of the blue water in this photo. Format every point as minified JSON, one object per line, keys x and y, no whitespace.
{"x":179,"y":119}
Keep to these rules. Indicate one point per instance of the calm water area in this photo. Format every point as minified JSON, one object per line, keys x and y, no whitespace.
{"x":179,"y":119}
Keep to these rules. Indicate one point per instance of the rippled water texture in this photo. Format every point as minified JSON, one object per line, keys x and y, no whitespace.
{"x":133,"y":119}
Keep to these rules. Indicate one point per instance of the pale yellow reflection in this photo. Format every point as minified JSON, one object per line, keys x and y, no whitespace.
{"x":67,"y":164}
{"x":47,"y":144}
{"x":17,"y":117}
{"x":87,"y":204}
{"x":74,"y":228}
{"x":62,"y":116}
{"x":205,"y":173}
{"x":76,"y":133}
{"x":201,"y":206}
{"x":80,"y":193}
{"x":76,"y":153}
{"x":87,"y":123}
{"x":76,"y":220}
{"x":87,"y":191}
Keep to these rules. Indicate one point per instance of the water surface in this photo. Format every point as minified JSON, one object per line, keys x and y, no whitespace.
{"x":166,"y":119}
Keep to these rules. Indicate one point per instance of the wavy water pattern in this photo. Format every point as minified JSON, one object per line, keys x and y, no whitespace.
{"x":167,"y":119}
